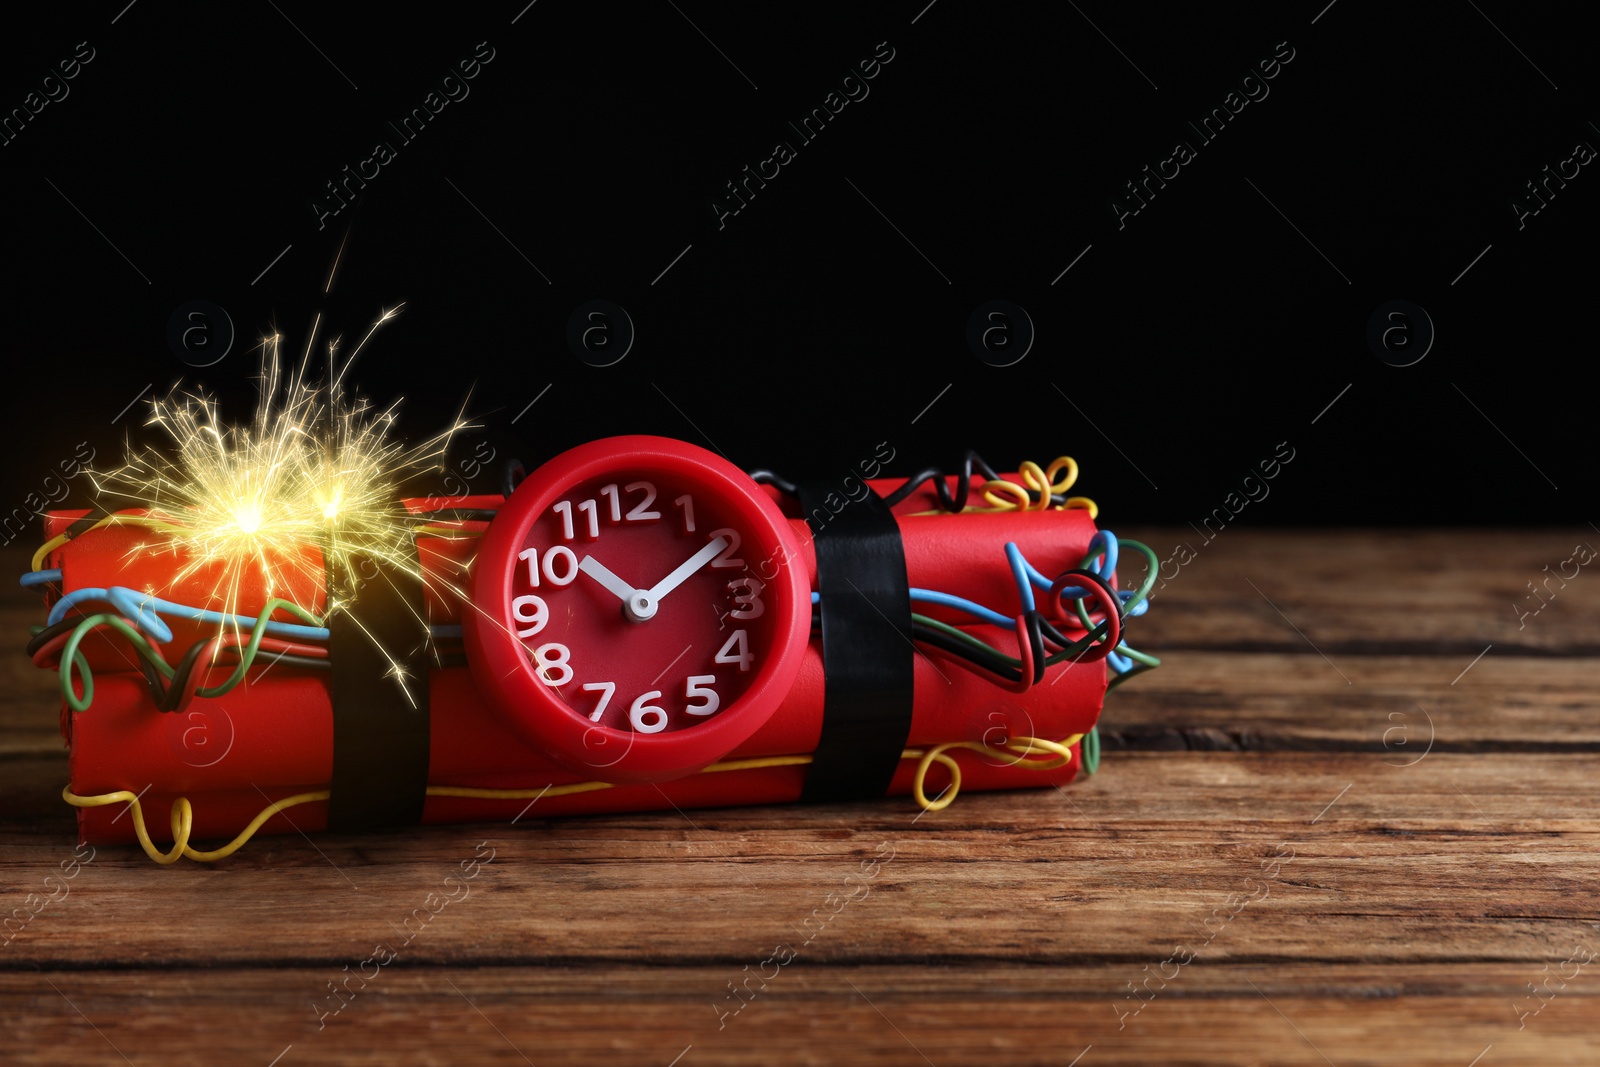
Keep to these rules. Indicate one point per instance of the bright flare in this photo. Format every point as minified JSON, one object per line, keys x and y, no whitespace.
{"x":314,"y":470}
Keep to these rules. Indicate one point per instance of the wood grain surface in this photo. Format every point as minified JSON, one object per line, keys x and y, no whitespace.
{"x":1351,"y":820}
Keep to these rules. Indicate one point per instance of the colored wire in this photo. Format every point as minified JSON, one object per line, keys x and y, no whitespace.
{"x":458,"y":514}
{"x":1054,"y":754}
{"x":952,"y":502}
{"x":113,"y":519}
{"x":1090,"y":750}
{"x":783,"y":485}
{"x":1027,"y":751}
{"x":145,"y":609}
{"x":33,"y":579}
{"x":978,"y":611}
{"x":73,"y":663}
{"x":511,"y":475}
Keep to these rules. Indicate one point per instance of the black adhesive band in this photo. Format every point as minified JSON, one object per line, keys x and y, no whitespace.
{"x":866,"y":645}
{"x":380,"y":722}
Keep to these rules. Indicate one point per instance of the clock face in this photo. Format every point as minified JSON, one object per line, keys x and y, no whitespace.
{"x":645,"y":604}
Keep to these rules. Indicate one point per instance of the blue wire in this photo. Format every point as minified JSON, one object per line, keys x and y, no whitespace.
{"x":141,"y":608}
{"x":929,"y":596}
{"x":1105,"y":541}
{"x":33,"y":578}
{"x":1022,"y":570}
{"x":1103,"y":544}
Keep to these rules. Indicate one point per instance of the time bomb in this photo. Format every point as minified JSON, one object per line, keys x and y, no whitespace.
{"x":638,"y":624}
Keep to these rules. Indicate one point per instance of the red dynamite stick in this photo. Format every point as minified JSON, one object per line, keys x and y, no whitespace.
{"x":271,"y":737}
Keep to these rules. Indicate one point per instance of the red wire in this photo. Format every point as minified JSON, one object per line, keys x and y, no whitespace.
{"x":1025,"y":649}
{"x":1109,"y":609}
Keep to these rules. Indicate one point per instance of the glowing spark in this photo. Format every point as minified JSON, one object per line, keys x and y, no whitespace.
{"x":267,"y":509}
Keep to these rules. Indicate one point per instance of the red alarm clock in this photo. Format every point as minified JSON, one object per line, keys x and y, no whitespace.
{"x":617,"y":620}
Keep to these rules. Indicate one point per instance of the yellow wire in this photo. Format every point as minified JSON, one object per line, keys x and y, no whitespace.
{"x":1060,"y":754}
{"x":114,"y":519}
{"x":1066,"y":463}
{"x":1041,"y":480}
{"x":1019,"y":495}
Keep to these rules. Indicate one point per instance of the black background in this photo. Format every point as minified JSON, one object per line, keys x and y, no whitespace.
{"x":825,"y":318}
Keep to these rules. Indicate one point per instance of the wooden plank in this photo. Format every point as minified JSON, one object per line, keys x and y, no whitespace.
{"x":1457,"y":858}
{"x":1373,"y":591}
{"x":1398,"y":705}
{"x":1427,"y":897}
{"x":807,"y":1012}
{"x":1260,"y":701}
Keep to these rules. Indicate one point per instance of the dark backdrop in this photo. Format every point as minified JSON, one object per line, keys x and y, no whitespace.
{"x":1173,"y":350}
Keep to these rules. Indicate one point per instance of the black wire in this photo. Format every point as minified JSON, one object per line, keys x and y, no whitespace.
{"x":288,"y":659}
{"x":153,"y":679}
{"x":943,"y":641}
{"x":151,"y":674}
{"x":952,"y":502}
{"x":1032,"y":624}
{"x":511,"y":476}
{"x":958,"y":501}
{"x":460,"y":514}
{"x":97,"y":511}
{"x":180,"y":676}
{"x":1099,"y":649}
{"x":949,"y":502}
{"x":49,"y":633}
{"x":766,"y":477}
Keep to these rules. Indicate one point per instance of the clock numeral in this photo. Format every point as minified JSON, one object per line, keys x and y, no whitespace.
{"x":551,"y":659}
{"x":748,"y":602}
{"x":727,"y":558}
{"x":564,"y":509}
{"x":648,"y":718}
{"x":736,"y":650}
{"x":606,"y":691}
{"x":699,"y":685}
{"x":540,"y":613}
{"x":686,"y":502}
{"x":641,"y":512}
{"x":590,"y":508}
{"x":555,"y":552}
{"x":611,"y":494}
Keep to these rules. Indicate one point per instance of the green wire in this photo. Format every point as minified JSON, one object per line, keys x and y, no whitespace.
{"x":249,"y":654}
{"x":976,"y":643}
{"x":77,"y":665}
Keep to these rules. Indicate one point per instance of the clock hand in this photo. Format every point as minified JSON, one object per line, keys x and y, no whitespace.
{"x":600,"y":573}
{"x":686,"y":568}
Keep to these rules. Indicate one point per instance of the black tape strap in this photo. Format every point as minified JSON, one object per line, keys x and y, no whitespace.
{"x":380,"y":722}
{"x":866,"y":645}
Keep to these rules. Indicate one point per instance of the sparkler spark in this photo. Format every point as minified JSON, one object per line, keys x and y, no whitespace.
{"x":309,"y":487}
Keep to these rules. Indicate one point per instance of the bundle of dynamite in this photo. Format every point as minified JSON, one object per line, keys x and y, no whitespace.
{"x":255,"y":621}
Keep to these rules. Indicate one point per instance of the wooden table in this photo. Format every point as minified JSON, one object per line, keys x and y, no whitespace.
{"x":1365,"y":707}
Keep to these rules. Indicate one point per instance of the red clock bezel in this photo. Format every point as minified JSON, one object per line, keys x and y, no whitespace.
{"x":505,"y":674}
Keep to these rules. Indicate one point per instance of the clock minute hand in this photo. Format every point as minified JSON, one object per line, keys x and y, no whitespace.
{"x":600,"y":573}
{"x":688,"y":567}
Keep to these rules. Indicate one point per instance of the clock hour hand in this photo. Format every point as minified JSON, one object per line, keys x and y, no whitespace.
{"x":602,"y":574}
{"x":688,"y":567}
